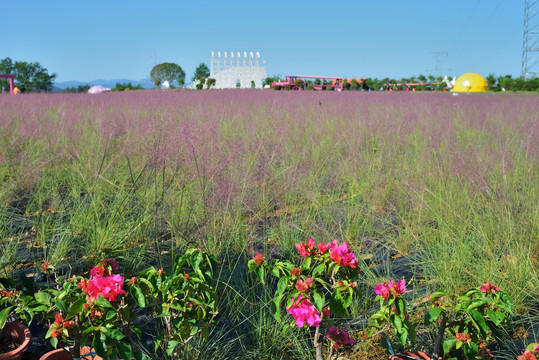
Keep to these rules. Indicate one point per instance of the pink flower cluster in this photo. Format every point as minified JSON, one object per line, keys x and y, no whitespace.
{"x":306,"y":249}
{"x":529,"y":355}
{"x":339,"y":338}
{"x":303,"y":286}
{"x":389,"y":288}
{"x":341,"y":254}
{"x":304,"y":312}
{"x":103,"y":282}
{"x":488,"y":288}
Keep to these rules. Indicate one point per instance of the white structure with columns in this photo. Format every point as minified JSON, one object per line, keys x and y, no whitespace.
{"x":231,"y":69}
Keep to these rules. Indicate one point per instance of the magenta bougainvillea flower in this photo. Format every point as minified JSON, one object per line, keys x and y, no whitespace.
{"x":323,"y":248}
{"x":488,"y":288}
{"x":387,"y":288}
{"x":304,"y":312}
{"x":339,"y":338}
{"x":342,"y":255}
{"x":305,"y":249}
{"x":109,"y":287}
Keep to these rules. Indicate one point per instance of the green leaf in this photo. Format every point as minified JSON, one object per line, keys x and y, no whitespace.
{"x":349,"y":297}
{"x":448,"y":345}
{"x":99,"y":347}
{"x":275,"y":271}
{"x":276,"y":307}
{"x":403,"y":335}
{"x":139,"y":297}
{"x":179,"y":260}
{"x":306,"y":263}
{"x":171,"y":345}
{"x":4,"y":315}
{"x":318,"y":299}
{"x":437,"y":295}
{"x":282,"y":284}
{"x":479,"y":321}
{"x":260,"y":273}
{"x":400,"y":308}
{"x":496,"y":316}
{"x":285,"y":329}
{"x":251,"y":265}
{"x":336,"y":304}
{"x":196,"y":258}
{"x":115,"y":334}
{"x":54,"y":342}
{"x":476,"y":303}
{"x":318,"y":270}
{"x":411,"y":330}
{"x":471,"y":350}
{"x":432,"y":315}
{"x":397,"y":323}
{"x":62,"y":306}
{"x":101,"y":301}
{"x":43,"y":298}
{"x":111,"y":314}
{"x":75,"y":308}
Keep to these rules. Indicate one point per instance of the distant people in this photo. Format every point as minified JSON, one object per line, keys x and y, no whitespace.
{"x":16,"y":90}
{"x":3,"y":89}
{"x":23,"y":89}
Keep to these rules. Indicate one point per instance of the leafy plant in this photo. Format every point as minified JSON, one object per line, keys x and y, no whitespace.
{"x":322,"y":284}
{"x":469,"y":319}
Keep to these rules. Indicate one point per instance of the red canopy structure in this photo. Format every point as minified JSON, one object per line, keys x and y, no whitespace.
{"x":11,"y":79}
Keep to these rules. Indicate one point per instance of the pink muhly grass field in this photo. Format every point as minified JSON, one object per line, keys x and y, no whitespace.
{"x":250,"y":153}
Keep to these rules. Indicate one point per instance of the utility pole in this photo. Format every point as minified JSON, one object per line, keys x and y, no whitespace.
{"x":530,"y":48}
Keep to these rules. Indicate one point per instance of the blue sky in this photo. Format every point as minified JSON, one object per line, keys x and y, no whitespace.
{"x":88,"y":40}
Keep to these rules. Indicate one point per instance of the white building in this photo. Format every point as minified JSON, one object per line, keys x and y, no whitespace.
{"x":233,"y":70}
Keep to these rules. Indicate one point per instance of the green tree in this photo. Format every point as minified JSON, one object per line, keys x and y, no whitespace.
{"x":167,"y":72}
{"x":491,"y":81}
{"x":201,"y":71}
{"x":422,"y":78}
{"x":30,"y":74}
{"x":210,"y":82}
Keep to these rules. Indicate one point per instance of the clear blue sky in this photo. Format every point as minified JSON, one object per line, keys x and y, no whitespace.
{"x":112,"y":39}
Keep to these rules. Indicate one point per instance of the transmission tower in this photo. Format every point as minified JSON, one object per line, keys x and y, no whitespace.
{"x":438,"y":62}
{"x":530,"y":48}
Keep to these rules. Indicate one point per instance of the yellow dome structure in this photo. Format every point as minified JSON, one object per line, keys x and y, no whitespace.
{"x":470,"y":82}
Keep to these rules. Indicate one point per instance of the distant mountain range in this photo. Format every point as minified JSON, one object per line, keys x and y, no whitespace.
{"x":145,"y":83}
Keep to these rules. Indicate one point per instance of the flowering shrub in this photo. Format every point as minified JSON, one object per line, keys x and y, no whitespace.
{"x":469,"y":319}
{"x":324,"y":283}
{"x":103,"y":309}
{"x":392,"y":311}
{"x":15,"y":304}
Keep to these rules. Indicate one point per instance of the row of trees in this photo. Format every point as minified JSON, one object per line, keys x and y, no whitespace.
{"x":118,"y":87}
{"x":34,"y":77}
{"x":171,"y":73}
{"x":507,"y":83}
{"x":29,"y":75}
{"x":500,"y":83}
